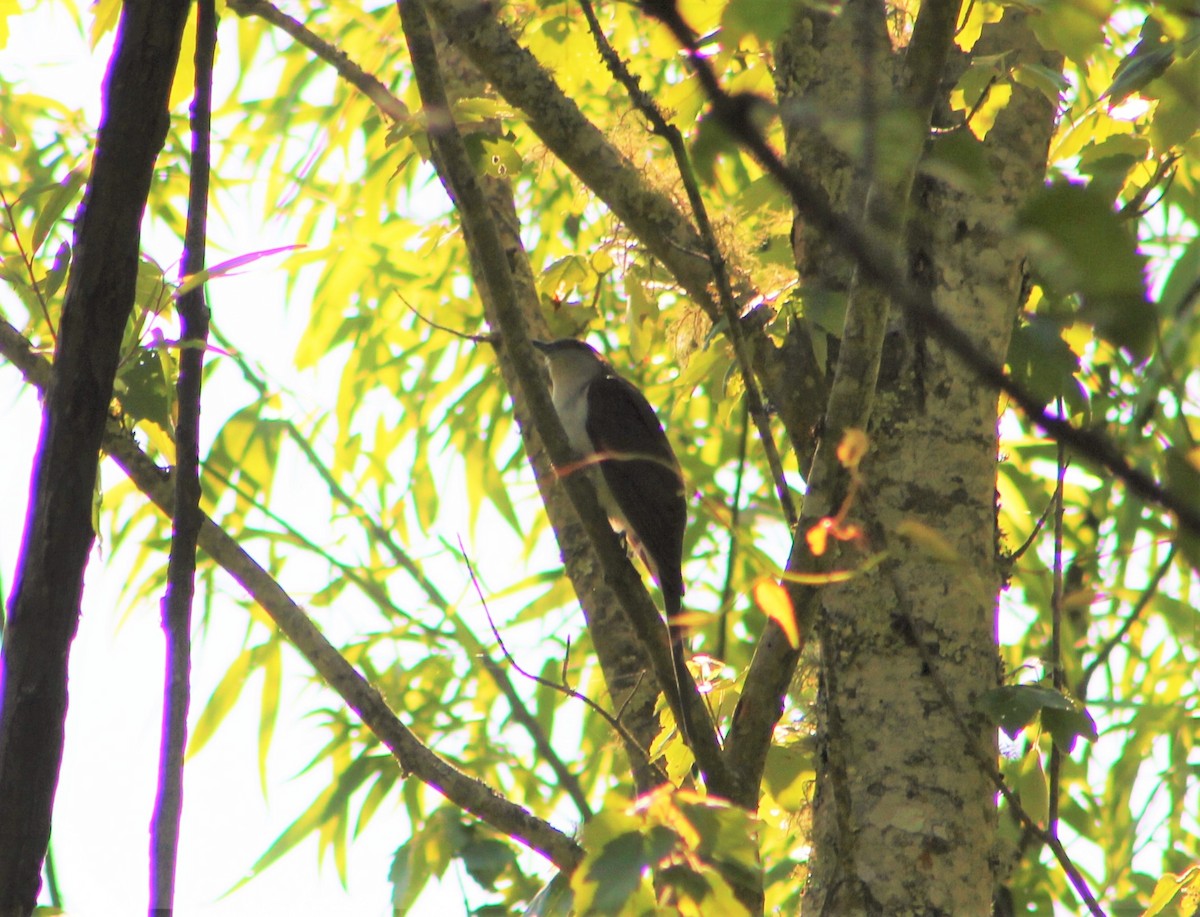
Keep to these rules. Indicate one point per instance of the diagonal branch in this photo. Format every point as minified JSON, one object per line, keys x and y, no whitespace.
{"x":653,"y":217}
{"x":729,"y":309}
{"x":462,"y":634}
{"x":458,"y":172}
{"x":879,"y":264}
{"x":367,"y":83}
{"x":413,"y":756}
{"x":621,"y":657}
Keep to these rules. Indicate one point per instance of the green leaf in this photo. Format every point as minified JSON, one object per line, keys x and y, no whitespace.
{"x":1033,"y":787}
{"x":58,"y":271}
{"x":1078,"y":244}
{"x":375,"y":796}
{"x":728,"y":834}
{"x":1110,"y":162}
{"x":1044,"y":364}
{"x":1167,"y":887}
{"x":1013,"y":707}
{"x":789,"y":775}
{"x":686,"y":882}
{"x":1065,"y":726}
{"x":1181,"y":281}
{"x":222,"y":700}
{"x":1183,"y":479}
{"x":407,"y":881}
{"x":272,"y":665}
{"x":765,"y":19}
{"x":617,"y":872}
{"x":425,"y":856}
{"x":56,"y":202}
{"x":1075,"y":28}
{"x":145,"y":389}
{"x":486,"y":860}
{"x":1148,"y":60}
{"x":1177,"y":115}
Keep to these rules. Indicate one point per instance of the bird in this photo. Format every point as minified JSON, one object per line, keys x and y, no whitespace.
{"x":640,"y":486}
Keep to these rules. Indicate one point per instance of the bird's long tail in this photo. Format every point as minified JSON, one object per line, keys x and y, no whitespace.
{"x":673,"y":602}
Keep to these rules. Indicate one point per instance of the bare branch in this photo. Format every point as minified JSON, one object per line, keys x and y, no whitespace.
{"x":569,"y":781}
{"x":879,"y":263}
{"x":347,"y":69}
{"x":729,"y":309}
{"x":454,"y":163}
{"x":44,"y":609}
{"x":187,"y":518}
{"x":413,"y":756}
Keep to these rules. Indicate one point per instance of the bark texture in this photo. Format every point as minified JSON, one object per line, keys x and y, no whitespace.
{"x":44,"y":611}
{"x":622,"y":658}
{"x":904,"y":817}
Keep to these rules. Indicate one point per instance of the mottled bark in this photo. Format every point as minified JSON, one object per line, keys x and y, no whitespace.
{"x":904,"y":815}
{"x":627,"y":671}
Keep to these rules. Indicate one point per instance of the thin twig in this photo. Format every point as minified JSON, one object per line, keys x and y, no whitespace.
{"x":1056,"y":665}
{"x":491,"y":337}
{"x":562,"y":687}
{"x":1136,"y":206}
{"x":1028,"y":542}
{"x":187,"y":517}
{"x":880,"y":265}
{"x":458,"y":173}
{"x":735,"y":510}
{"x":348,"y":572}
{"x":27,"y":262}
{"x":966,"y":121}
{"x":546,"y":751}
{"x":1118,"y":638}
{"x":382,"y":536}
{"x":368,"y":84}
{"x":712,"y":249}
{"x":414,"y":757}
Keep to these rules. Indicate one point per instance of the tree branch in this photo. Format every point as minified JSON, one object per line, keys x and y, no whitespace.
{"x":458,"y":172}
{"x":729,"y":309}
{"x":181,"y":566}
{"x":413,"y":756}
{"x":367,"y":83}
{"x":461,"y":634}
{"x":44,"y":611}
{"x":879,"y":264}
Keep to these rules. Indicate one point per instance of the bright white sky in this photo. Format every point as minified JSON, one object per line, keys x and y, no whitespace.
{"x":108,"y":779}
{"x":107,"y":786}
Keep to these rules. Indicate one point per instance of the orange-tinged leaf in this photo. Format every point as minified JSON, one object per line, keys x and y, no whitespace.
{"x":852,"y":448}
{"x":1171,"y":885}
{"x":776,"y":604}
{"x":818,"y":537}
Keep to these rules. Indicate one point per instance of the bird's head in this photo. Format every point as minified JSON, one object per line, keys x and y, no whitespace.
{"x":571,"y":363}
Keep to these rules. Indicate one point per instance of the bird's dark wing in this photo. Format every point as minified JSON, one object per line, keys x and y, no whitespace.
{"x":640,"y":469}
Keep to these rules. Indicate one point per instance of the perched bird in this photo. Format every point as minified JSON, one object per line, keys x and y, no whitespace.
{"x":610,"y":422}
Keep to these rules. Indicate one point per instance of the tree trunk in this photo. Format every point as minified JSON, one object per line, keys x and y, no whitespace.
{"x":904,"y":814}
{"x":44,"y":611}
